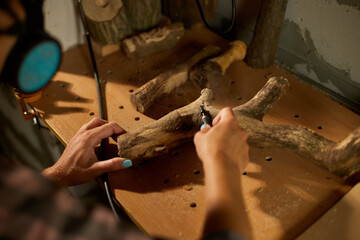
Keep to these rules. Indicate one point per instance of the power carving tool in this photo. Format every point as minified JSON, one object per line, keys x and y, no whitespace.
{"x":205,"y":117}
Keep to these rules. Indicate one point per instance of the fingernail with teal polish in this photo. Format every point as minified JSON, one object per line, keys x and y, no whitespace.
{"x":202,"y":126}
{"x":126,"y":163}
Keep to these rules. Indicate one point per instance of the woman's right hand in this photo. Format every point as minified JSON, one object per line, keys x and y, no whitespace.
{"x":225,"y":153}
{"x":225,"y":141}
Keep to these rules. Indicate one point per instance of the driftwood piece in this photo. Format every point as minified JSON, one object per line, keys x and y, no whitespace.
{"x":156,"y":40}
{"x":263,"y":46}
{"x":171,"y":83}
{"x":179,"y":126}
{"x":213,"y":69}
{"x":149,"y":94}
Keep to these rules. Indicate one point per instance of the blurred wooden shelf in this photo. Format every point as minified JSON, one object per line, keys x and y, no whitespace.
{"x":283,"y":196}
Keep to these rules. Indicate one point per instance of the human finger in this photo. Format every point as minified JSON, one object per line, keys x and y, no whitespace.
{"x":225,"y":113}
{"x":197,"y":137}
{"x":216,"y":120}
{"x":110,"y":165}
{"x":114,"y":137}
{"x":107,"y":130}
{"x":205,"y":128}
{"x":93,"y":123}
{"x":202,"y":131}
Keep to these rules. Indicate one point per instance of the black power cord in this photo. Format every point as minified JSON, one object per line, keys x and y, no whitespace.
{"x":233,"y":17}
{"x":104,"y":177}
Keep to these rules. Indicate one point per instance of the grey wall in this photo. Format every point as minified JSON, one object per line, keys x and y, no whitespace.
{"x":320,"y":42}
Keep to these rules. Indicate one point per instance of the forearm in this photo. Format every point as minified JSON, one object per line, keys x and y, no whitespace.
{"x":224,"y":203}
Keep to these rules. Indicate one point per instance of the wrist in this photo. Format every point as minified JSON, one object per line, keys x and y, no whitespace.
{"x":47,"y":172}
{"x":220,"y":161}
{"x":222,"y":180}
{"x":52,"y":174}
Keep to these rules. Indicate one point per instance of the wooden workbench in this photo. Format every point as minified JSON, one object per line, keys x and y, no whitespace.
{"x":165,"y":196}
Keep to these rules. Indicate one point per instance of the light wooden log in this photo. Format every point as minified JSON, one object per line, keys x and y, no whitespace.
{"x":179,"y":126}
{"x":111,"y":21}
{"x":143,"y":14}
{"x":108,"y":23}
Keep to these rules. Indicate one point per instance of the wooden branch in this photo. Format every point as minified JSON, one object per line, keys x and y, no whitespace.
{"x":164,"y":134}
{"x":264,"y":100}
{"x":149,"y":94}
{"x":264,"y":43}
{"x":180,"y":125}
{"x":344,"y":157}
{"x":171,"y":83}
{"x":213,"y":69}
{"x":156,"y":40}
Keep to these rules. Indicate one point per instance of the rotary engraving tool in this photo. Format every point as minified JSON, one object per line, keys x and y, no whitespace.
{"x":205,"y":117}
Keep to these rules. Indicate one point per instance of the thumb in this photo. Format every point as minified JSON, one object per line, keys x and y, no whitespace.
{"x":113,"y":164}
{"x":205,"y":128}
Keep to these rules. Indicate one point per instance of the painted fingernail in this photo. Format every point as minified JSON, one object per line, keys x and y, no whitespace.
{"x":126,"y":163}
{"x":202,"y":126}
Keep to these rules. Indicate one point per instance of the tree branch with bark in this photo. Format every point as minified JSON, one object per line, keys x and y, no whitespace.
{"x":180,"y":125}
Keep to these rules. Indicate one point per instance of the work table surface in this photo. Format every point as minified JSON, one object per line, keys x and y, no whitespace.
{"x":165,"y":196}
